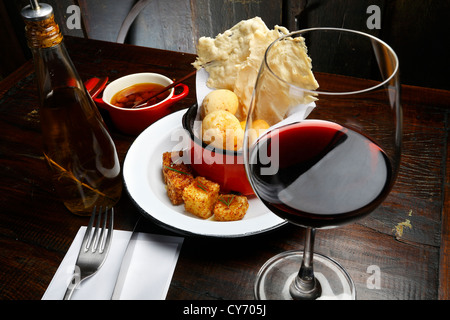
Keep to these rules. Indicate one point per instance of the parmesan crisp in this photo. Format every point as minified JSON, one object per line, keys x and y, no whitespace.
{"x":288,"y":60}
{"x":236,"y":57}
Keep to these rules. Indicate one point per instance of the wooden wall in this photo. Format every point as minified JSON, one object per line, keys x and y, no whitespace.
{"x":418,"y":30}
{"x":174,"y":24}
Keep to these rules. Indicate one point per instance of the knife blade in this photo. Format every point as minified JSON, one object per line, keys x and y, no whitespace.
{"x":125,"y":265}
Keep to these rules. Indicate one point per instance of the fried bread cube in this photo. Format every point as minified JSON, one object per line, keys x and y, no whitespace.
{"x":173,"y":162}
{"x":177,"y":176}
{"x":200,"y":196}
{"x":230,"y":207}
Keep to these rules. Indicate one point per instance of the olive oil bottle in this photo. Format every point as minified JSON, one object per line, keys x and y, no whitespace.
{"x":81,"y":155}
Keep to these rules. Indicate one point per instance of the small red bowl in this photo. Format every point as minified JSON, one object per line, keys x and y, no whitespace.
{"x":222,"y":166}
{"x":134,"y":121}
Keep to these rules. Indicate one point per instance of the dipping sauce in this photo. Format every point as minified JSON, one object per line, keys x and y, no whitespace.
{"x":127,"y":97}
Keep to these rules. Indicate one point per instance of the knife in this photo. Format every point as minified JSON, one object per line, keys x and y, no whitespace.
{"x":125,"y":265}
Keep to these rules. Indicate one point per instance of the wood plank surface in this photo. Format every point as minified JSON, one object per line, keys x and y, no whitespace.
{"x":444,"y":272}
{"x":210,"y":18}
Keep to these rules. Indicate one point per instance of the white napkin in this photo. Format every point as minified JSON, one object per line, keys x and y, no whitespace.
{"x":202,"y":89}
{"x":148,"y":278}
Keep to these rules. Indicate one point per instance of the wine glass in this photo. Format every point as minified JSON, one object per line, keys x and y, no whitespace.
{"x":324,"y":156}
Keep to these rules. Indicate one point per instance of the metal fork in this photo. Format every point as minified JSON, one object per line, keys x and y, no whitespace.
{"x":93,"y":249}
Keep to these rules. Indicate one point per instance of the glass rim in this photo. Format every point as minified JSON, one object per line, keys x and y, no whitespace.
{"x":318,"y":92}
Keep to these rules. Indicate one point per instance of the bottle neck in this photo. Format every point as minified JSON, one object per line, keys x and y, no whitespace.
{"x":53,"y":66}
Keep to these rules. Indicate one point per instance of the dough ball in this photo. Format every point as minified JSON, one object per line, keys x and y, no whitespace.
{"x":222,"y":130}
{"x":221,"y":99}
{"x":260,"y":125}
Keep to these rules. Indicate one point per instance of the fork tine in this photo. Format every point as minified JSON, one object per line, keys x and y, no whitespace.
{"x":101,"y":240}
{"x":95,"y":237}
{"x":106,"y":235}
{"x":85,"y":243}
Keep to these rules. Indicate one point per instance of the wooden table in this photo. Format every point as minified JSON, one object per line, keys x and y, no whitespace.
{"x":406,"y":239}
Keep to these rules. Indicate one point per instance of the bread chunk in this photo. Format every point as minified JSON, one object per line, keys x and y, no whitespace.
{"x":230,"y":207}
{"x":220,"y":99}
{"x":177,"y":176}
{"x":199,"y":197}
{"x":222,"y":130}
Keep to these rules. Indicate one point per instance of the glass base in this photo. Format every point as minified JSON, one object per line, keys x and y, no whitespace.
{"x":277,"y":274}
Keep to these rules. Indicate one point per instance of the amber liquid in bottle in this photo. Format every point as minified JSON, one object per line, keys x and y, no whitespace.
{"x":83,"y":161}
{"x":82,"y":156}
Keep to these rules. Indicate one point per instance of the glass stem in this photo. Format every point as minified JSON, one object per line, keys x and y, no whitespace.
{"x":305,"y":286}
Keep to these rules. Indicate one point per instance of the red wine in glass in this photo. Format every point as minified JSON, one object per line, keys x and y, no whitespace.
{"x":319,"y":174}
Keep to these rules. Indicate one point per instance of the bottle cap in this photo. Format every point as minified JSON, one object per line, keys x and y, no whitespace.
{"x":37,"y":11}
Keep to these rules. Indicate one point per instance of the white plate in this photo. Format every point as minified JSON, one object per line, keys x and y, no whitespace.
{"x":142,"y":173}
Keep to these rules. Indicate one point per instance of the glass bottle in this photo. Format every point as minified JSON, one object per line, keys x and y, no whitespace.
{"x":77,"y":146}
